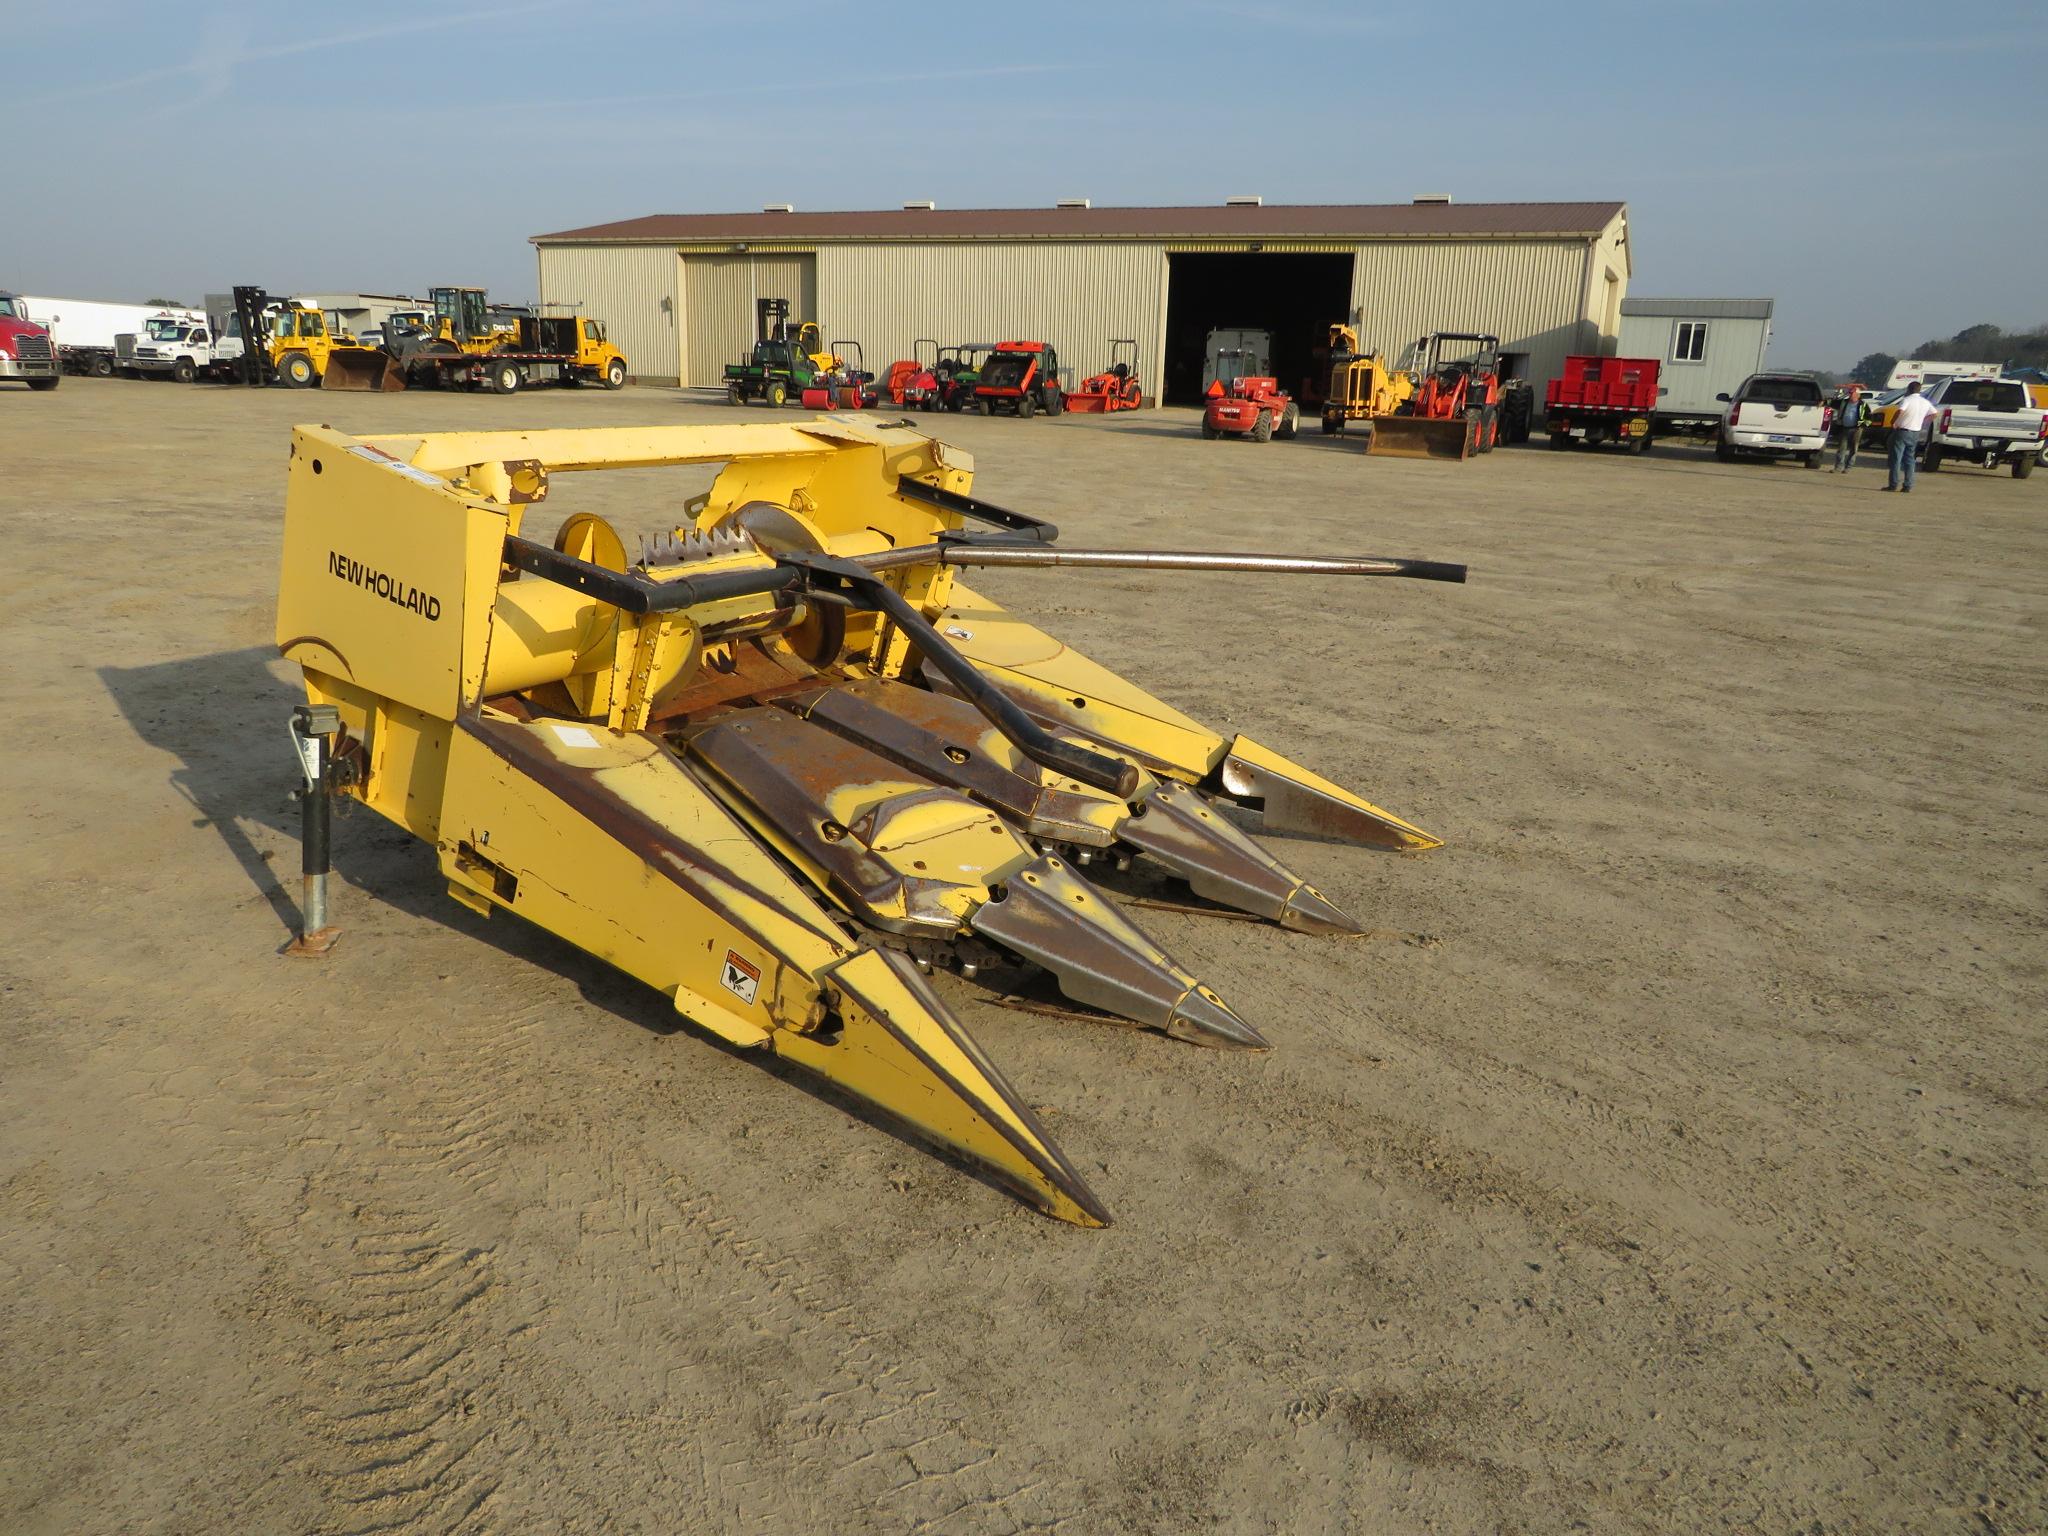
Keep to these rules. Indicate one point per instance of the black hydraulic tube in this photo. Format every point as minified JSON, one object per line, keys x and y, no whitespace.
{"x":637,"y":594}
{"x":866,"y":589}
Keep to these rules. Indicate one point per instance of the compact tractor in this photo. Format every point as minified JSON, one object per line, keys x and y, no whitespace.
{"x":782,"y":763}
{"x":1022,"y":377}
{"x":787,"y":358}
{"x":1461,"y":405}
{"x":1255,"y":408}
{"x":1361,"y":387}
{"x":1116,"y":388}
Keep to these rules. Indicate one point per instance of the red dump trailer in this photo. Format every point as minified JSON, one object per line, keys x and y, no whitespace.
{"x":1603,"y":400}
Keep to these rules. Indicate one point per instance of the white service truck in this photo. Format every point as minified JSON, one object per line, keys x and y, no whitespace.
{"x":1983,"y":421}
{"x":175,"y":344}
{"x":88,"y":332}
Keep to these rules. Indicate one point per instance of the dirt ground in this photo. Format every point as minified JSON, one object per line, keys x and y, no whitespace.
{"x":1669,"y":1160}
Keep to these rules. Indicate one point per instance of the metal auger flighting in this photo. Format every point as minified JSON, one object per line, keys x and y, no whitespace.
{"x":785,"y":762}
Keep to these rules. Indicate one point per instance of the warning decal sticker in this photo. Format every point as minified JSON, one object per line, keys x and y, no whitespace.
{"x":741,"y":979}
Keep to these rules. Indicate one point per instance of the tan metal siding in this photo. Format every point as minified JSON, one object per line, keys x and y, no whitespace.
{"x":1073,"y":294}
{"x":1526,"y":292}
{"x":631,"y":288}
{"x":719,"y":293}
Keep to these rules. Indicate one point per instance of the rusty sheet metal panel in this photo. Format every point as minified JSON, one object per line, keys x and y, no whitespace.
{"x":631,"y":288}
{"x":719,"y":291}
{"x":1073,"y":294}
{"x":1529,"y":293}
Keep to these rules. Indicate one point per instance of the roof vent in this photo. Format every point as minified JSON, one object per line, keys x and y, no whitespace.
{"x":778,"y":207}
{"x":1073,"y":202}
{"x":1431,"y":197}
{"x":926,"y":206}
{"x":1251,"y":200}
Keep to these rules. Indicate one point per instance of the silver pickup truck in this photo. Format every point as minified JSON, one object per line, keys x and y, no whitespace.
{"x":1981,"y":421}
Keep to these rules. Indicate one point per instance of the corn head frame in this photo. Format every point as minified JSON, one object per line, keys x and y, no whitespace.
{"x":782,"y":763}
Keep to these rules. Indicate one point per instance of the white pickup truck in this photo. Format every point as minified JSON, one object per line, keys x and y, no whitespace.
{"x":1777,"y":415}
{"x":1982,"y":421}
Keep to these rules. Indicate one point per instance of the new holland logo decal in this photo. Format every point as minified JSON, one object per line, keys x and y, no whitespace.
{"x":383,"y":584}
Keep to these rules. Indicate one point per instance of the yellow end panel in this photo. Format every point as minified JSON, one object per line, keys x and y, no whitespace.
{"x":404,"y":753}
{"x":387,"y":574}
{"x":607,"y":841}
{"x":1065,"y":687}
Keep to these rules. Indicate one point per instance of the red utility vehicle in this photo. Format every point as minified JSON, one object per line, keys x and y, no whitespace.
{"x":1020,"y":376}
{"x":1603,"y":400}
{"x":1256,"y":408}
{"x":1116,"y":388}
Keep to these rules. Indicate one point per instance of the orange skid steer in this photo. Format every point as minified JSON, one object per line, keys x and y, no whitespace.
{"x":1455,"y":410}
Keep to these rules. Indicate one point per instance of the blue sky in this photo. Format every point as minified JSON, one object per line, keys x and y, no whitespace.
{"x":1878,"y":168}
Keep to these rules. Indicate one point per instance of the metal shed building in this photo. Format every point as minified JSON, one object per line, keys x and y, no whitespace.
{"x":677,"y":291}
{"x":1705,"y":347}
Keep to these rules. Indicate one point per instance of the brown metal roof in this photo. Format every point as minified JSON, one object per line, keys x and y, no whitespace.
{"x":1310,"y":221}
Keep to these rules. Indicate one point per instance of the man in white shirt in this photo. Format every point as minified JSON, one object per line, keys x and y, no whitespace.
{"x":1908,"y":417}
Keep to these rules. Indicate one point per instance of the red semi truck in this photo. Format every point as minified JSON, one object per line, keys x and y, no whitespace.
{"x":26,"y":351}
{"x":1603,"y":400}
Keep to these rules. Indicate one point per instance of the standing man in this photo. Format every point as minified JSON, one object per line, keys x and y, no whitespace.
{"x":1908,"y":417}
{"x":1849,"y":423}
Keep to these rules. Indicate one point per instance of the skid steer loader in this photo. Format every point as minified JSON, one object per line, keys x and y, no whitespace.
{"x":1452,"y":413}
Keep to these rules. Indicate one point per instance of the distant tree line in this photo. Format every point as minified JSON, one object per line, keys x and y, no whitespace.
{"x":1972,"y":344}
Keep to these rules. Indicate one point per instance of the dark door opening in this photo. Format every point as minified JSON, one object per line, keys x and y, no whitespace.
{"x":1294,"y":298}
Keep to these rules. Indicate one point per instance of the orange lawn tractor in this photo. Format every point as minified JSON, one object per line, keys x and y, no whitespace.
{"x":1455,"y":411}
{"x":1116,"y":388}
{"x":1257,"y":408}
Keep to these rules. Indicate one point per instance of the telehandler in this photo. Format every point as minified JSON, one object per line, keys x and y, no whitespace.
{"x":781,"y":763}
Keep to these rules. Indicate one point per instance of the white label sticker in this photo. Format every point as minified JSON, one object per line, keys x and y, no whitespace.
{"x":309,"y":756}
{"x":739,"y":978}
{"x":576,"y":736}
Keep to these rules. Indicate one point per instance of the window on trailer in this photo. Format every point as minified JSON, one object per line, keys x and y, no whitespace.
{"x":1689,"y":342}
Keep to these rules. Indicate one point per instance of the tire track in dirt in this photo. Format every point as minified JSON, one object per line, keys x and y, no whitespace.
{"x":636,"y":1339}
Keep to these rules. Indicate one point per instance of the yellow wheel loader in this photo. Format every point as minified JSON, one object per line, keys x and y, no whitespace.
{"x":1362,"y":387}
{"x":781,"y":764}
{"x":302,"y":344}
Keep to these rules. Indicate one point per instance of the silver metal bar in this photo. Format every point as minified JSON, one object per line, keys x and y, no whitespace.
{"x":1200,"y":560}
{"x":1162,"y":560}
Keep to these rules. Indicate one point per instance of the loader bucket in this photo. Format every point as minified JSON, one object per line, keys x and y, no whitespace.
{"x":1422,"y":437}
{"x":362,"y":368}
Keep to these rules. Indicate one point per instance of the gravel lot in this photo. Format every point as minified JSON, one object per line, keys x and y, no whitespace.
{"x":1670,"y":1159}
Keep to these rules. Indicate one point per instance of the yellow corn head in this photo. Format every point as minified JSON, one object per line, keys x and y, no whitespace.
{"x":781,"y":764}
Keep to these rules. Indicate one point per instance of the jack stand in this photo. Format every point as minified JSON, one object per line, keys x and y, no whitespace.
{"x":312,"y":727}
